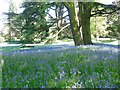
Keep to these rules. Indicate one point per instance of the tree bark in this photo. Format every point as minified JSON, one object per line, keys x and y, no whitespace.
{"x":74,"y":25}
{"x":119,"y":22}
{"x":86,"y":30}
{"x":84,"y":15}
{"x":82,"y":36}
{"x":118,"y":5}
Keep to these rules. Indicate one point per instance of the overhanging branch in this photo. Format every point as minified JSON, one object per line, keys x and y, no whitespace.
{"x":107,"y":9}
{"x":55,"y":20}
{"x":102,"y":12}
{"x":51,"y":38}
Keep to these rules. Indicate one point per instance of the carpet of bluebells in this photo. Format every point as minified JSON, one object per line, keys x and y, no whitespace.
{"x":88,"y":66}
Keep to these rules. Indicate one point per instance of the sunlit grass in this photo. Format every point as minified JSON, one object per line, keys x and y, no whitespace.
{"x":80,"y":67}
{"x":20,"y":47}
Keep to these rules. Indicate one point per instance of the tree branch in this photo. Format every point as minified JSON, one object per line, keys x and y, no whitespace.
{"x":56,"y":20}
{"x":51,"y":38}
{"x":49,"y":15}
{"x":100,"y":12}
{"x":61,"y":30}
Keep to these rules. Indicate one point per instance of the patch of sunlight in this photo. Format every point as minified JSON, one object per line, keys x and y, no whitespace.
{"x":7,"y":44}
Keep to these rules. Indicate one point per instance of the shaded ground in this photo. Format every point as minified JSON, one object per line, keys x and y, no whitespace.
{"x":15,"y":48}
{"x":5,"y":47}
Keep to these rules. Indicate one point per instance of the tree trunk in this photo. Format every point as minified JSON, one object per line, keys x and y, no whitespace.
{"x":84,"y":16}
{"x":74,"y":25}
{"x":119,"y":20}
{"x":119,"y":23}
{"x":10,"y":37}
{"x":9,"y":33}
{"x":86,"y":30}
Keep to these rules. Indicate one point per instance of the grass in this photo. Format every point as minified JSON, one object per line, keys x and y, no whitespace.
{"x":20,"y":47}
{"x":88,"y":66}
{"x":9,"y":48}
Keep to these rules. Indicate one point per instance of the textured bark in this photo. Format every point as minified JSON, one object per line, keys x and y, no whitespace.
{"x":86,"y":29}
{"x":80,"y":21}
{"x":74,"y":26}
{"x":118,"y":5}
{"x":119,"y":21}
{"x":84,"y":16}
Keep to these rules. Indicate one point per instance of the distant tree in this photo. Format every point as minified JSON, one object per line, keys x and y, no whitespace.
{"x":11,"y":13}
{"x":32,"y":22}
{"x":59,"y":19}
{"x":114,"y":21}
{"x":59,"y":12}
{"x":113,"y":25}
{"x":98,"y":27}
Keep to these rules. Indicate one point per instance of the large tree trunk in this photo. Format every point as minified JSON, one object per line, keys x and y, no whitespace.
{"x":84,"y":16}
{"x":118,"y":5}
{"x":74,"y":25}
{"x":119,"y":23}
{"x":80,"y":21}
{"x":86,"y":30}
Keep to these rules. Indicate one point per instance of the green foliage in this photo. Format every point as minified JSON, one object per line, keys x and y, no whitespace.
{"x":2,"y":39}
{"x":34,"y":14}
{"x":32,"y":21}
{"x":113,"y":26}
{"x":98,"y":26}
{"x":10,"y":20}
